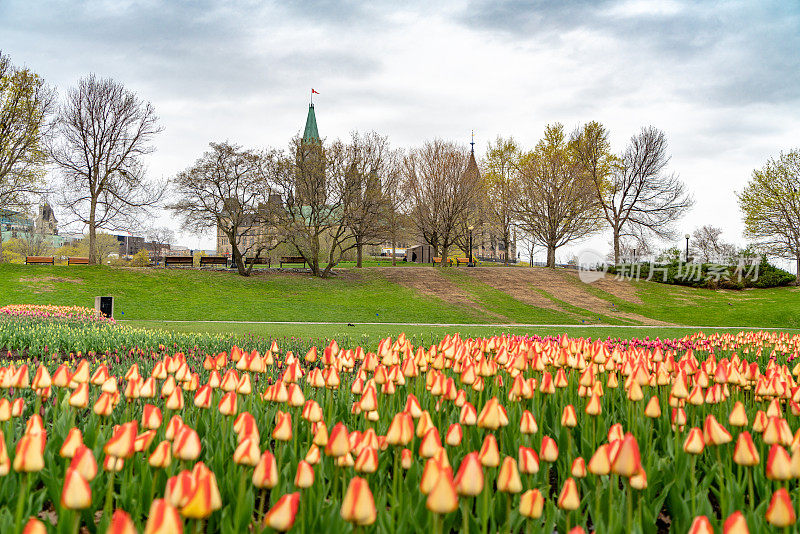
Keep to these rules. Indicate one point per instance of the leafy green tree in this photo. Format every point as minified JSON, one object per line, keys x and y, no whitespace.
{"x":771,"y":207}
{"x":557,"y":203}
{"x":501,"y":183}
{"x":26,"y":104}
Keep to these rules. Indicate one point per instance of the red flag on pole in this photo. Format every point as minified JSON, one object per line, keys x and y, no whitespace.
{"x":313,"y":92}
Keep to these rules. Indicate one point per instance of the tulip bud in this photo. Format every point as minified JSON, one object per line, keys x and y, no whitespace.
{"x":121,"y":523}
{"x":531,"y":504}
{"x":80,"y":397}
{"x":305,"y":475}
{"x":161,"y":458}
{"x":83,"y":461}
{"x":358,"y":505}
{"x":442,"y":499}
{"x":738,"y":416}
{"x":653,"y":408}
{"x":528,"y":460}
{"x":338,"y":442}
{"x":548,"y":452}
{"x":508,"y":480}
{"x":73,"y":440}
{"x":151,"y":417}
{"x":281,"y":516}
{"x":186,"y":445}
{"x":406,"y":459}
{"x":76,"y":494}
{"x":714,"y":433}
{"x":735,"y":524}
{"x":247,"y":452}
{"x":469,"y":479}
{"x":163,"y":518}
{"x":200,"y":503}
{"x":701,"y":525}
{"x":454,"y":435}
{"x":569,"y":418}
{"x":780,"y":512}
{"x":527,"y":423}
{"x":779,"y":464}
{"x":745,"y":452}
{"x":578,"y":468}
{"x":34,"y":526}
{"x":569,"y":499}
{"x":694,"y":443}
{"x":122,"y":443}
{"x":627,"y":461}
{"x":490,"y":454}
{"x":28,"y":457}
{"x":265,"y":474}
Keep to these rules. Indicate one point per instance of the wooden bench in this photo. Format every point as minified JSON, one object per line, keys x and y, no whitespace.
{"x":178,"y":260}
{"x":40,"y":260}
{"x":258,"y":261}
{"x":293,"y":259}
{"x":78,"y":260}
{"x":213,"y":260}
{"x":436,"y":260}
{"x":462,"y":261}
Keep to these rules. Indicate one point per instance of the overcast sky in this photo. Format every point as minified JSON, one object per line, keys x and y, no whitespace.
{"x":722,"y":79}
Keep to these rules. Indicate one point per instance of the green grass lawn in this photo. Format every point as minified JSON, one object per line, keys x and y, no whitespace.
{"x":365,"y":296}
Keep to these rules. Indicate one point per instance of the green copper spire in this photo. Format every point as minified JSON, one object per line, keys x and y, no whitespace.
{"x":311,"y":133}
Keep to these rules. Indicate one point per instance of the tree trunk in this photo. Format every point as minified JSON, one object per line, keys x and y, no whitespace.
{"x":359,"y":255}
{"x":394,"y":249}
{"x":796,"y":276}
{"x":1,"y":245}
{"x":444,"y":256}
{"x":531,"y":265}
{"x":616,"y":246}
{"x":237,"y":257}
{"x":505,"y":242}
{"x":551,"y":256}
{"x":92,"y":235}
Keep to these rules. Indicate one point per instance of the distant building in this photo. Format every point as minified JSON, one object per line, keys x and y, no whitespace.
{"x":18,"y":225}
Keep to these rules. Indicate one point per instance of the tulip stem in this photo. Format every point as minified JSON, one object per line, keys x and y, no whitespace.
{"x":396,"y":487}
{"x":508,"y":513}
{"x":464,"y":516}
{"x":750,"y":487}
{"x":721,"y":483}
{"x":692,"y":482}
{"x":198,"y":526}
{"x":485,"y":510}
{"x":23,"y":497}
{"x":109,"y":499}
{"x":629,"y":511}
{"x":76,"y":521}
{"x":240,"y":499}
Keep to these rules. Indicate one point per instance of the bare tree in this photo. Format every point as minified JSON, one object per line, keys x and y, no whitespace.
{"x":160,"y":238}
{"x":26,"y":104}
{"x":103,"y":131}
{"x":444,"y":187}
{"x":634,"y":190}
{"x":501,"y":183}
{"x":557,"y":203}
{"x":707,"y":243}
{"x":771,"y":207}
{"x":370,"y":180}
{"x":227,"y":189}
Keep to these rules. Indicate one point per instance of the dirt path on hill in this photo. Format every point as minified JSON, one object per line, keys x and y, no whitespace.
{"x":428,"y":281}
{"x":563,"y":285}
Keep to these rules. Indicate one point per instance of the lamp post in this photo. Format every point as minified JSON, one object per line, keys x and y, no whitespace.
{"x":687,"y":236}
{"x":471,"y":228}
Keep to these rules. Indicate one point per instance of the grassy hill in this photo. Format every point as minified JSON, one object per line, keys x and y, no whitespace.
{"x":484,"y":295}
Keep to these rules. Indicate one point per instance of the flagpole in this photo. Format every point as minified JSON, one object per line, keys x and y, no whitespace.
{"x":312,"y":97}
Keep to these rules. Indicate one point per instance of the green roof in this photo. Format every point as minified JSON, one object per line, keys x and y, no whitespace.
{"x":311,"y":133}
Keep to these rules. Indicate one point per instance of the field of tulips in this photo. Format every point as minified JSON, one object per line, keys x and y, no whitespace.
{"x":495,"y":434}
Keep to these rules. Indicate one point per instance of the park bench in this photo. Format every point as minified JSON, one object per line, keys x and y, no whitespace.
{"x":293,"y":259}
{"x":462,"y":261}
{"x":77,"y":260}
{"x":437,"y":259}
{"x":258,"y":261}
{"x":170,"y":261}
{"x":213,"y":260}
{"x":40,"y":260}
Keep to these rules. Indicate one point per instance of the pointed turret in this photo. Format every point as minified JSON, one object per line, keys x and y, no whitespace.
{"x":311,"y":134}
